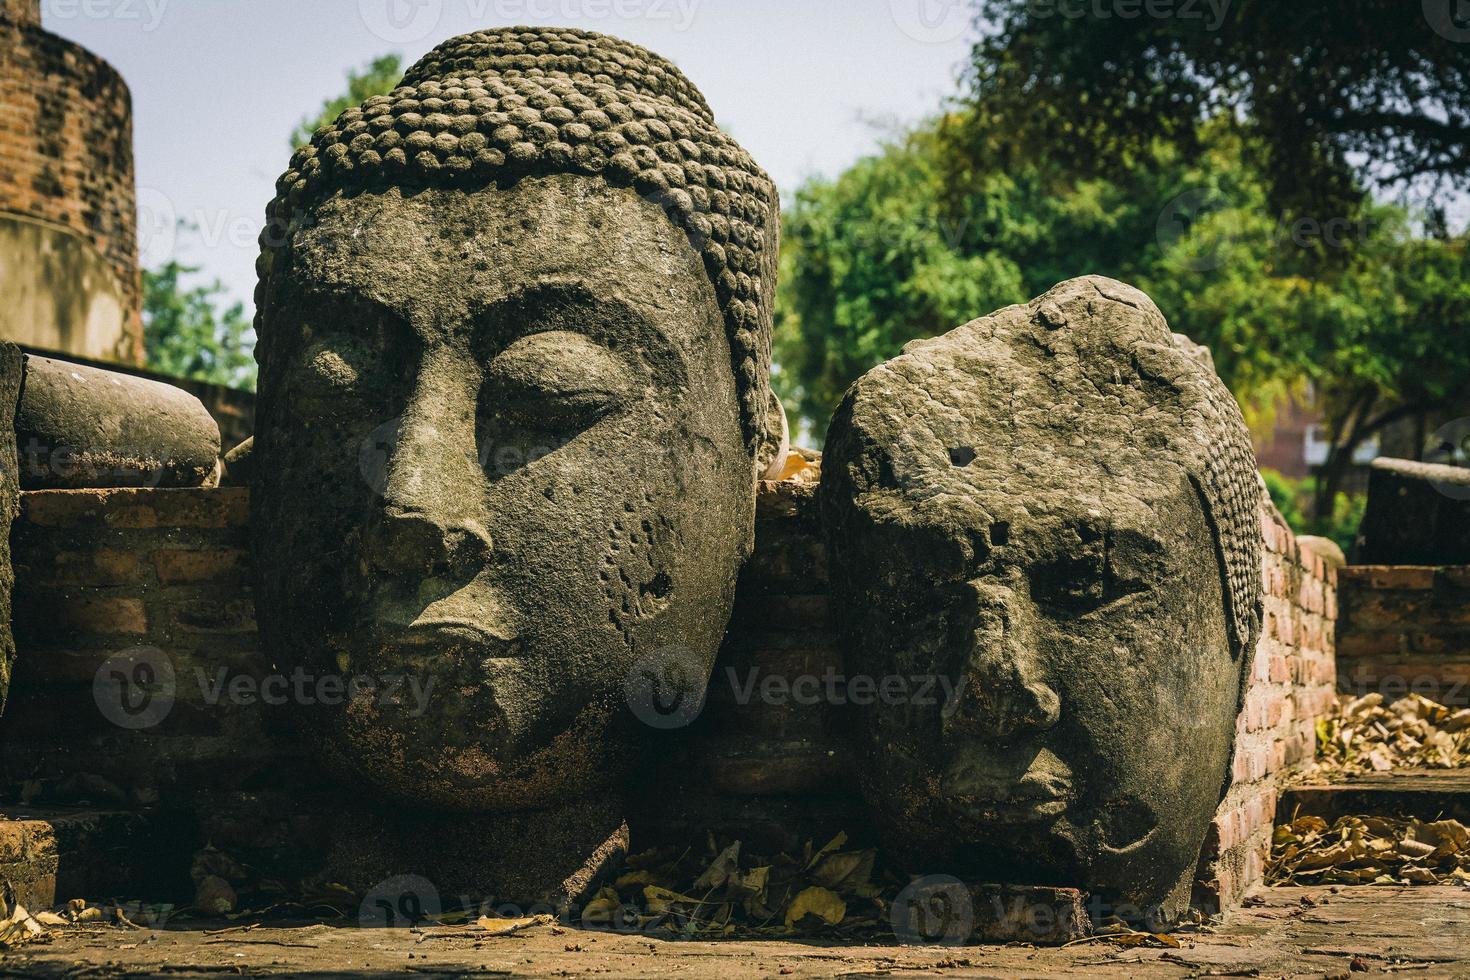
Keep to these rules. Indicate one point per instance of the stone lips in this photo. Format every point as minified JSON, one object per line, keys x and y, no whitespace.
{"x":520,"y":102}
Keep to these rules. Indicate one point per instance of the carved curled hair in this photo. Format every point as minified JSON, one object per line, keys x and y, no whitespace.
{"x":522,"y":101}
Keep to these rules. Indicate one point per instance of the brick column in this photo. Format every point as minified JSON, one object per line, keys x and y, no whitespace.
{"x":21,"y":11}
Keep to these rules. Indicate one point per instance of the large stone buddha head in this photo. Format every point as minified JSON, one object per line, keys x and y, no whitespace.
{"x":514,"y":346}
{"x":1056,"y":508}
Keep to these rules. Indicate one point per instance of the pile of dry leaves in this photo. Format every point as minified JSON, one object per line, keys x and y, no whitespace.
{"x":1412,"y":733}
{"x":718,"y":893}
{"x":1369,"y":851}
{"x":19,"y":926}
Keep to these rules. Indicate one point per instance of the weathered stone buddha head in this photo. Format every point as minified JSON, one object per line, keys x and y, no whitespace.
{"x":1055,"y":507}
{"x":514,"y":346}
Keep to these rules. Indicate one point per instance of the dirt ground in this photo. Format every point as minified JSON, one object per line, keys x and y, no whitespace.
{"x":1419,"y":932}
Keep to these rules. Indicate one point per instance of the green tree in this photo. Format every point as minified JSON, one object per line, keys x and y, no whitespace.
{"x":378,"y":77}
{"x":910,"y":243}
{"x":188,"y":333}
{"x":1340,"y":95}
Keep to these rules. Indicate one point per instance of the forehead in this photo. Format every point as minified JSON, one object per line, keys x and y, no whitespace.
{"x":441,"y":245}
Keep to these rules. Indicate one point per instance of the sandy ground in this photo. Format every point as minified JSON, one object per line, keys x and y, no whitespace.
{"x":1287,"y":932}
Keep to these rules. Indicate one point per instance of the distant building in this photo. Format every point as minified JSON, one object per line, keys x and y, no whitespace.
{"x":69,"y":279}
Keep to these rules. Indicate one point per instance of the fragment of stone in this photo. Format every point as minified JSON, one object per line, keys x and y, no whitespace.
{"x":944,"y":911}
{"x":82,"y":427}
{"x":12,"y":366}
{"x":1325,"y":548}
{"x":1045,"y":539}
{"x":238,"y":465}
{"x":1417,"y":514}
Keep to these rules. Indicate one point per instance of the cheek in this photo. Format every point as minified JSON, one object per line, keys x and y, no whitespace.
{"x":637,"y":572}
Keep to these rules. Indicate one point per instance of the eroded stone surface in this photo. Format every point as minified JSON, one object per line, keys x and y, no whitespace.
{"x":82,"y":427}
{"x":11,"y":370}
{"x":1052,"y":512}
{"x":501,"y":450}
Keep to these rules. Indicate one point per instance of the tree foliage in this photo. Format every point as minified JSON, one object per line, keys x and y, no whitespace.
{"x":378,"y":77}
{"x":188,"y":333}
{"x":1370,"y":315}
{"x":1338,"y":94}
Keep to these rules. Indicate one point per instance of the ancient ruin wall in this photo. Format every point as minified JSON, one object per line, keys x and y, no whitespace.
{"x":1291,"y":685}
{"x":100,"y":572}
{"x":68,"y":209}
{"x":1405,"y":629}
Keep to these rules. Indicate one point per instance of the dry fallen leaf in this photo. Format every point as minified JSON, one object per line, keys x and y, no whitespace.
{"x":1412,"y":733}
{"x":819,"y":902}
{"x":504,"y":927}
{"x":1369,"y":850}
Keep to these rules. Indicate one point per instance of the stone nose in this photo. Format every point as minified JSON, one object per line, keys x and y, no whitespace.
{"x":431,"y":511}
{"x":1003,"y":695}
{"x":403,"y":541}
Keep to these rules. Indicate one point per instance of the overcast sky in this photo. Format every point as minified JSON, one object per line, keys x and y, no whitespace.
{"x":218,"y":85}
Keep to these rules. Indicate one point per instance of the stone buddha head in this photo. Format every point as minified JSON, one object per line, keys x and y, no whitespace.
{"x":514,"y":339}
{"x":1054,"y":508}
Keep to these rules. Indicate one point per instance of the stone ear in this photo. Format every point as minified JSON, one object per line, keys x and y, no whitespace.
{"x":775,"y":445}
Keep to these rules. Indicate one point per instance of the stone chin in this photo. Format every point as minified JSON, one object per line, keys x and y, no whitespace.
{"x":501,"y":459}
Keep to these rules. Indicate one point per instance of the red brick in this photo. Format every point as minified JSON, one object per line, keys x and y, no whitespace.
{"x":69,"y":126}
{"x":1396,"y":577}
{"x":175,"y":565}
{"x":221,"y":507}
{"x":12,"y":840}
{"x":102,"y":615}
{"x":102,"y":567}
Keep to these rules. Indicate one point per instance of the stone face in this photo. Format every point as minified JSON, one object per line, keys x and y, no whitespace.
{"x":11,"y":371}
{"x":1050,"y":514}
{"x":81,"y":427}
{"x":498,"y":105}
{"x":501,"y":450}
{"x":1418,"y":514}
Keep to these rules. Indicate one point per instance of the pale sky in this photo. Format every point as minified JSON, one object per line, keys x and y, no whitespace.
{"x":807,"y":86}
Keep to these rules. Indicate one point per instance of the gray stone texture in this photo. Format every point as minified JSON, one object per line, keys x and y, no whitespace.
{"x":12,"y":368}
{"x":1052,"y":511}
{"x":511,"y":396}
{"x":81,"y":427}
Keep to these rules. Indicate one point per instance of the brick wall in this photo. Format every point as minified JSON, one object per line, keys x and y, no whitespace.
{"x":21,"y":11}
{"x":100,"y":572}
{"x":103,"y":572}
{"x":1292,"y":684}
{"x":66,"y":147}
{"x":1405,"y":629}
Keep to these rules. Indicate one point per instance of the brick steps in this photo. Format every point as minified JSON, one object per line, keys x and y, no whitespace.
{"x":1428,"y":794}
